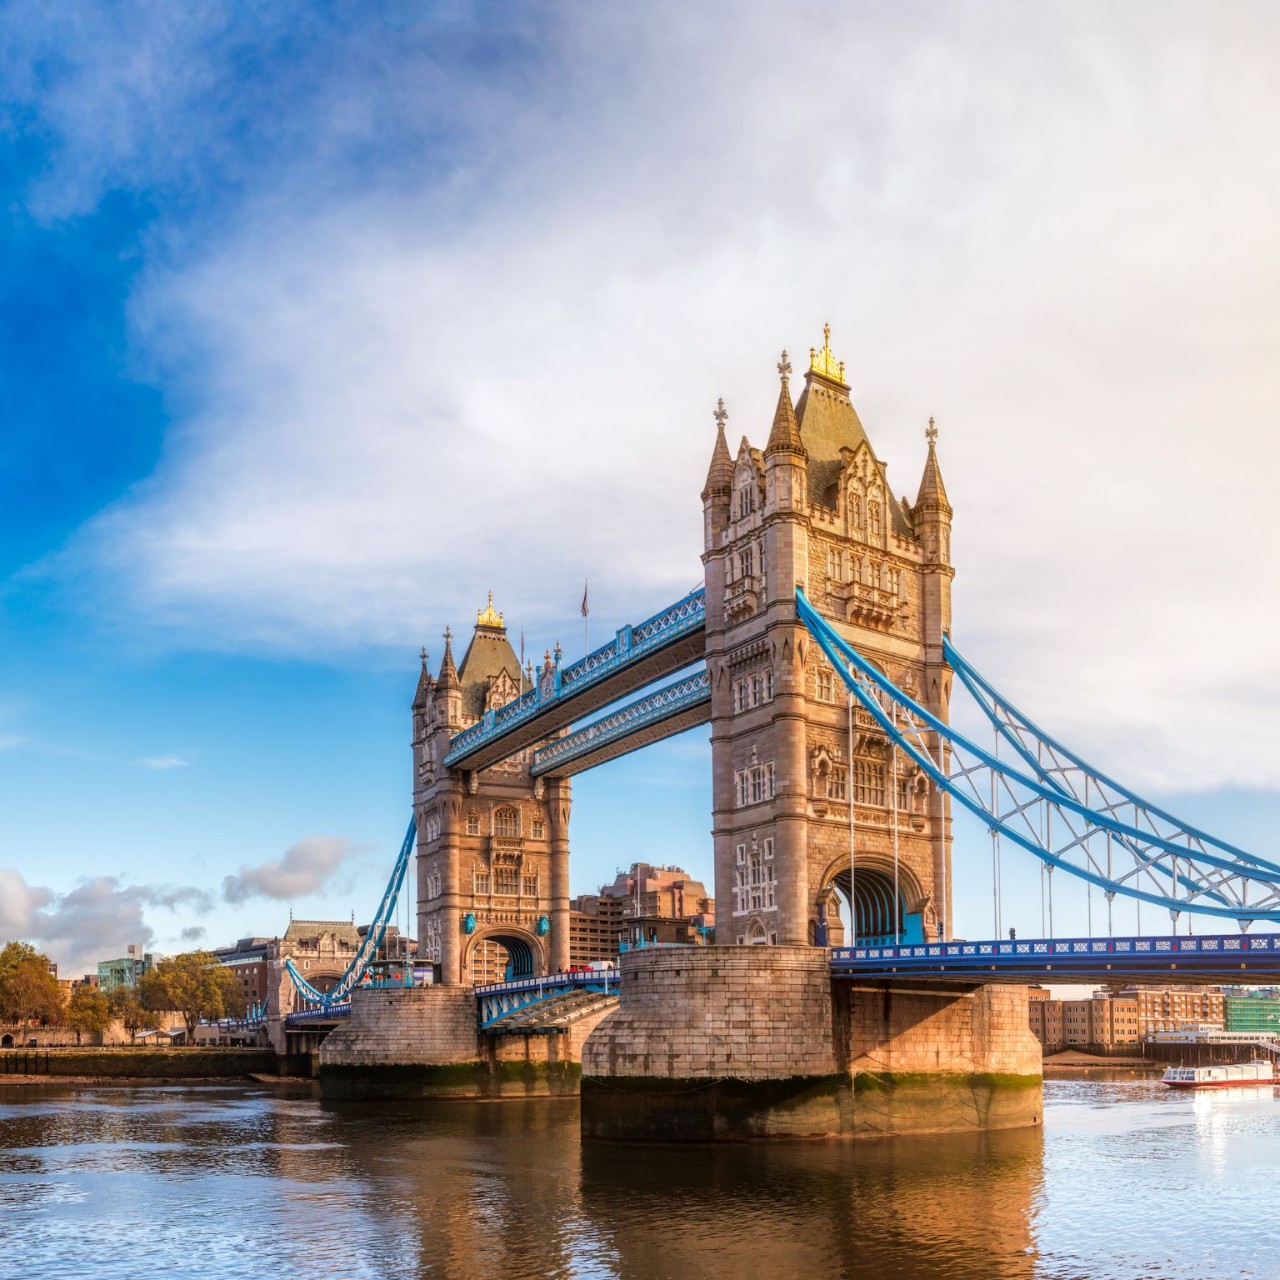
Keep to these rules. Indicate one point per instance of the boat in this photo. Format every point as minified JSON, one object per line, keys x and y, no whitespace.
{"x":1219,"y":1077}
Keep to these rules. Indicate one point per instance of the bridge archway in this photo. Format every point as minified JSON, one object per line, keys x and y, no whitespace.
{"x":874,"y":906}
{"x":503,"y":953}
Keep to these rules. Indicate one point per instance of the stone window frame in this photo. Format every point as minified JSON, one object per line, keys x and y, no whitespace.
{"x":506,"y":822}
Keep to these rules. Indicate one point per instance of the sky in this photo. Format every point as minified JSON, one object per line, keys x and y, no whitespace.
{"x":318,"y":322}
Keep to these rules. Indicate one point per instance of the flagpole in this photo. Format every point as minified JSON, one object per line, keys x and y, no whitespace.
{"x":586,"y":612}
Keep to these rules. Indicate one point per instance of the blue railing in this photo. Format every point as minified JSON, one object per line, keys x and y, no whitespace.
{"x":630,"y":644}
{"x":683,"y":695}
{"x":1057,"y":957}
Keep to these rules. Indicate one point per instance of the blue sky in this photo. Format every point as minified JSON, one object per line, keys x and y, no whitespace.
{"x":319,"y":321}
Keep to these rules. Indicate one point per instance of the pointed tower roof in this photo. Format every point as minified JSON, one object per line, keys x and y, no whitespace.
{"x":489,"y":654}
{"x":720,"y":472}
{"x":933,"y":493}
{"x":448,"y":678}
{"x":785,"y":436}
{"x":424,"y":683}
{"x":830,"y":427}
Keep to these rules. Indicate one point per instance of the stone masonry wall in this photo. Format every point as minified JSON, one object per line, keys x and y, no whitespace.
{"x":715,"y":1012}
{"x":981,"y":1030}
{"x":405,"y":1025}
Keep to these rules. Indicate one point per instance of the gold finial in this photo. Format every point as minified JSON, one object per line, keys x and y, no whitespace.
{"x":784,"y":367}
{"x":823,"y":361}
{"x":486,"y":617}
{"x":721,"y":414}
{"x":931,"y":432}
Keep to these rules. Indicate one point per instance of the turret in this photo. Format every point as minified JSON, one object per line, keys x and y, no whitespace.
{"x":448,"y":690}
{"x":717,"y":493}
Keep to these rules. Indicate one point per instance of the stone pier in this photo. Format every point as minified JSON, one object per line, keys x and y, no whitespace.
{"x":732,"y":1043}
{"x":422,"y":1042}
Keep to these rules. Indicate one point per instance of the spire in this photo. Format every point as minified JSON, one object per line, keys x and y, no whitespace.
{"x":424,"y":683}
{"x":785,"y":436}
{"x":933,"y":494}
{"x":489,"y":617}
{"x":720,"y":472}
{"x":448,"y":678}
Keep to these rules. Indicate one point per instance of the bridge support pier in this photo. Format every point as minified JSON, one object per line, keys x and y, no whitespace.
{"x":731,"y":1043}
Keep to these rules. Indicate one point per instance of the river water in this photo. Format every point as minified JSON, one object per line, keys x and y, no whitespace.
{"x":1126,"y":1179}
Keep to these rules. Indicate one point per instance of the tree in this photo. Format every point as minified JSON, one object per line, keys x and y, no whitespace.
{"x":88,"y":1010}
{"x":126,"y":1006}
{"x":28,"y":990}
{"x":195,"y":985}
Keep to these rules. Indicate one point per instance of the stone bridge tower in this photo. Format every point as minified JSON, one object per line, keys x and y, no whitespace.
{"x":815,"y":510}
{"x":493,"y":844}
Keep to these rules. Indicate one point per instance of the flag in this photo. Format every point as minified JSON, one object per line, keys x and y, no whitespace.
{"x":585,"y":610}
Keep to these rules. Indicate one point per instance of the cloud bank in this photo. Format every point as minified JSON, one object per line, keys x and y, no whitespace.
{"x":94,"y":921}
{"x":464,"y":319}
{"x":305,"y":867}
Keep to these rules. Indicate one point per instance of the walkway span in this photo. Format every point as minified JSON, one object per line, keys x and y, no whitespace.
{"x":660,"y":646}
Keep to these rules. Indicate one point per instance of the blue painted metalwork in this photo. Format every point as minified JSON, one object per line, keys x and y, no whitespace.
{"x":1057,"y":766}
{"x":662,"y":704}
{"x":308,"y":1017}
{"x":628,"y":646}
{"x":372,"y":940}
{"x":495,"y":1000}
{"x":1061,"y":959}
{"x":1025,"y":807}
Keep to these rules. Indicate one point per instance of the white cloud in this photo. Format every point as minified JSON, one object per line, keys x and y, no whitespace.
{"x":94,"y":921}
{"x":305,"y":867}
{"x":1051,"y":226}
{"x":163,"y":762}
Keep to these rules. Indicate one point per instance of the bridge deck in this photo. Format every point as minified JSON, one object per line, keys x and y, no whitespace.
{"x":637,"y":656}
{"x":1244,"y":957}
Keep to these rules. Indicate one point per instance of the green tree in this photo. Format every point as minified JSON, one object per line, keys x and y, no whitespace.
{"x":88,"y":1010}
{"x":28,"y":990}
{"x":195,"y":985}
{"x":126,"y":1006}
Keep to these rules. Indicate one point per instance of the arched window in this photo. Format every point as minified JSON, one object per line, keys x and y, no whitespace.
{"x":506,"y":821}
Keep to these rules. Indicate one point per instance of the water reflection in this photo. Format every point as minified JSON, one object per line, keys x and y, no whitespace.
{"x":225,"y":1182}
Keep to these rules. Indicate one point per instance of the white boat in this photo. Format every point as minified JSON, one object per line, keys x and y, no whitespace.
{"x":1237,"y":1073}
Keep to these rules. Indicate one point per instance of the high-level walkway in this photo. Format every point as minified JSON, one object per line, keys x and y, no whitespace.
{"x":638,"y":655}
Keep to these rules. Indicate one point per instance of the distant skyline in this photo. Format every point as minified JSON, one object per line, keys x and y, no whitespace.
{"x":318,"y":324}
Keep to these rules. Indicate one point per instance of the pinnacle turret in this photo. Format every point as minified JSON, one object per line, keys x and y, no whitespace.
{"x":448,"y":678}
{"x":932,"y":496}
{"x":720,"y":472}
{"x":425,"y":684}
{"x":785,"y":436}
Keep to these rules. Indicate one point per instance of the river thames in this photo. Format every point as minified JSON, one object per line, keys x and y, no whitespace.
{"x":1126,"y":1179}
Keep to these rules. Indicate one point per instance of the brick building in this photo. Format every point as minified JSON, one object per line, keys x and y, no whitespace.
{"x":1168,"y":1008}
{"x":645,"y":904}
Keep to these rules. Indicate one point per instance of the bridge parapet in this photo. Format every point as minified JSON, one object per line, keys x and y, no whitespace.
{"x":1172,"y":958}
{"x":560,"y":684}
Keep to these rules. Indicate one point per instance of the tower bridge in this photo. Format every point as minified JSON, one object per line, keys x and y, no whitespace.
{"x":818,"y":650}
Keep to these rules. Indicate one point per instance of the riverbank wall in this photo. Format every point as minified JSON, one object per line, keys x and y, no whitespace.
{"x":733,"y":1043}
{"x":138,"y":1064}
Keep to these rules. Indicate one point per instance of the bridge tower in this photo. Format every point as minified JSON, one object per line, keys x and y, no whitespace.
{"x":493,"y":844}
{"x":815,"y":510}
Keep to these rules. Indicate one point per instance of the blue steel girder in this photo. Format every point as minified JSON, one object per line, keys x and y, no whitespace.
{"x":372,"y":940}
{"x":671,"y":640}
{"x":1035,"y":811}
{"x":1243,"y":957}
{"x":675,"y":708}
{"x":495,"y":1000}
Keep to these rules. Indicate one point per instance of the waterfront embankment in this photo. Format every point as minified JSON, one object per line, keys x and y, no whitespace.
{"x":38,"y":1066}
